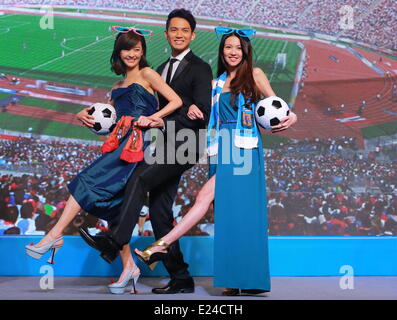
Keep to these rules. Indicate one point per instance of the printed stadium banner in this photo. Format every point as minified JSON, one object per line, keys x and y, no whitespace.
{"x":331,"y":174}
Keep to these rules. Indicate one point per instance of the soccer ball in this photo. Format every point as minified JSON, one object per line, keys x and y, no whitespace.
{"x":270,"y":111}
{"x":104,"y":117}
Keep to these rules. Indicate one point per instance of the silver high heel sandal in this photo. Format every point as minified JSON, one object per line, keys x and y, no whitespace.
{"x":38,"y":252}
{"x":118,"y":287}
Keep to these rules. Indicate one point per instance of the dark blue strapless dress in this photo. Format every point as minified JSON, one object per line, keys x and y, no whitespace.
{"x":240,"y":208}
{"x":99,"y":188}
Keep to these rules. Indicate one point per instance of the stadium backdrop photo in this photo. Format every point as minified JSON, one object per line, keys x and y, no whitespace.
{"x":331,"y":179}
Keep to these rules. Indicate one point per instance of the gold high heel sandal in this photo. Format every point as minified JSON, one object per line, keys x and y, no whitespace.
{"x":151,"y":258}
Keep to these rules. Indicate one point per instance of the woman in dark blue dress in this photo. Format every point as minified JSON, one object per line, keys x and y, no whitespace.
{"x":99,"y":188}
{"x":237,"y":183}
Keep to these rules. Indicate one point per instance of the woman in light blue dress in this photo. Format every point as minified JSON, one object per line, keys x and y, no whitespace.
{"x":237,"y":177}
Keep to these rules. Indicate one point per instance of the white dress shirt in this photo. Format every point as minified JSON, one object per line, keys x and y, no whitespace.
{"x":175,"y":66}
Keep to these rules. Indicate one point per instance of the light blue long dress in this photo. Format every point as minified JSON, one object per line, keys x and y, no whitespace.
{"x":241,"y":230}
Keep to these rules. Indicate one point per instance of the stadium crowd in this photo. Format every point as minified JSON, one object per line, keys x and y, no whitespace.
{"x":377,"y":27}
{"x":316,"y":186}
{"x":328,"y":145}
{"x":332,"y":214}
{"x":373,"y":22}
{"x":58,"y":158}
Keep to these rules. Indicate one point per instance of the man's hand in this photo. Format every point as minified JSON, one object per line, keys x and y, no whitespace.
{"x":195,"y":113}
{"x":85,"y":118}
{"x":285,"y":123}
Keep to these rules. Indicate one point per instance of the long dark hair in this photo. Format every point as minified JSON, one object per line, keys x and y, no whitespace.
{"x":244,"y":80}
{"x":126,"y":41}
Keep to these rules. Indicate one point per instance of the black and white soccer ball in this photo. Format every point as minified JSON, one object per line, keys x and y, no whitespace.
{"x":270,"y":111}
{"x":104,"y":116}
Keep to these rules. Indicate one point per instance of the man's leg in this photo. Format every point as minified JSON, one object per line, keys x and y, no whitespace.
{"x":122,"y":226}
{"x":161,"y":217}
{"x":144,"y":178}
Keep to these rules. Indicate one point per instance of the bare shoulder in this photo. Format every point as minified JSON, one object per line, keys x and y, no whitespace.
{"x":117,"y":84}
{"x":148,"y":73}
{"x":258,"y":72}
{"x":262,"y":82}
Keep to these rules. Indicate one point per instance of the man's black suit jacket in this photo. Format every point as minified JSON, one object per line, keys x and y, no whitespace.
{"x":192,"y":82}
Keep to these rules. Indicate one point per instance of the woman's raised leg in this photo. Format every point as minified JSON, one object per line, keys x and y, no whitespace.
{"x":199,"y":209}
{"x":70,"y":211}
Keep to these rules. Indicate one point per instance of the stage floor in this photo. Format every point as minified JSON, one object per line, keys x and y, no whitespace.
{"x":283,"y":288}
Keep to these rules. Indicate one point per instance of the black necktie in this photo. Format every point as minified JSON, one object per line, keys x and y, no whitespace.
{"x":169,"y":72}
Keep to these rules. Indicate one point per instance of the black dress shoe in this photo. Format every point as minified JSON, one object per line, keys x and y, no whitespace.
{"x":108,"y":248}
{"x":176,"y":286}
{"x":253,"y":291}
{"x":238,"y":292}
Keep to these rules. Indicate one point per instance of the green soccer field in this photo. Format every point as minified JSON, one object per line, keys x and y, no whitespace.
{"x":77,"y":51}
{"x":30,"y":51}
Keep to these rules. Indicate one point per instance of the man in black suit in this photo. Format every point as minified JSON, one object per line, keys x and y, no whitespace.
{"x":190,"y":77}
